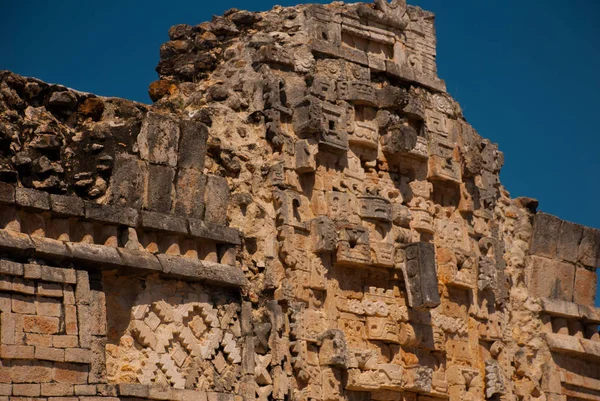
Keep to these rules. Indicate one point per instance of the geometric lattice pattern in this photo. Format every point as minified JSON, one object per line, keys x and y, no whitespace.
{"x":170,"y":335}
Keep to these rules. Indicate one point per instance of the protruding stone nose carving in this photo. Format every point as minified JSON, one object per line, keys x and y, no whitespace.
{"x":394,"y":9}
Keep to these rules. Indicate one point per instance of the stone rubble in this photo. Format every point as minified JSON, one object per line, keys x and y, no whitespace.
{"x":303,"y":214}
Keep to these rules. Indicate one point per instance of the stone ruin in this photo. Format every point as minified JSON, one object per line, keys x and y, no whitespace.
{"x":302,"y":214}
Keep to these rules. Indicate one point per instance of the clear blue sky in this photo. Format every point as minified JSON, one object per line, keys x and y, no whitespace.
{"x":525,"y":72}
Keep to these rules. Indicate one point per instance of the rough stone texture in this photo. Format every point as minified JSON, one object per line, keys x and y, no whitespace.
{"x":302,"y":214}
{"x":551,"y":278}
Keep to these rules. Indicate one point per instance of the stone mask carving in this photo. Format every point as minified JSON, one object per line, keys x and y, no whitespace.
{"x":394,"y":9}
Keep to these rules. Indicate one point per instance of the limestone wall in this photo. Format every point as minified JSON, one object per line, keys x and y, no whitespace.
{"x":303,"y":214}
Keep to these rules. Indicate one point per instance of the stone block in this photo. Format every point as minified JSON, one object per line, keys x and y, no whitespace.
{"x":50,"y":249}
{"x":289,"y":207}
{"x":6,"y":284}
{"x":41,"y":324}
{"x":65,"y":341}
{"x":192,"y":145}
{"x":32,"y":272}
{"x":97,"y":316}
{"x":158,"y":140}
{"x":42,"y":340}
{"x":111,"y":214}
{"x":375,"y":207}
{"x":107,"y":390}
{"x":48,"y":307}
{"x":546,"y":232}
{"x":85,"y":389}
{"x":557,"y":307}
{"x":589,"y":313}
{"x":324,"y":88}
{"x":32,"y":199}
{"x":591,"y":348}
{"x":568,"y":241}
{"x":159,"y":392}
{"x":353,"y":246}
{"x":23,"y":305}
{"x":139,"y":259}
{"x":443,"y":163}
{"x":8,"y":323}
{"x":550,"y":278}
{"x":68,"y":295}
{"x":49,"y":354}
{"x":16,"y":351}
{"x":273,"y":54}
{"x":163,"y":222}
{"x":71,"y":326}
{"x":133,"y":390}
{"x":83,"y":294}
{"x":194,"y":269}
{"x":214,"y":396}
{"x":564,"y":344}
{"x":94,"y":255}
{"x":5,"y":389}
{"x":248,"y":356}
{"x":49,"y":290}
{"x":26,"y":372}
{"x":26,"y":390}
{"x":128,"y":181}
{"x":23,"y":286}
{"x":7,"y":194}
{"x":56,"y":389}
{"x":217,"y":233}
{"x":58,"y":275}
{"x":70,"y":373}
{"x":78,"y":355}
{"x":189,"y":193}
{"x":589,"y":249}
{"x":324,"y":235}
{"x":357,"y":92}
{"x":98,"y":366}
{"x":159,"y":194}
{"x":84,"y":326}
{"x":15,"y":242}
{"x":216,"y":200}
{"x":584,"y":290}
{"x":420,"y":275}
{"x":5,"y":301}
{"x":305,"y":154}
{"x":10,"y":268}
{"x":194,"y":395}
{"x":66,"y":205}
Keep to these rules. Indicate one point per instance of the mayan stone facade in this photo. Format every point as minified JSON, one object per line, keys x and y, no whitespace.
{"x":302,"y":214}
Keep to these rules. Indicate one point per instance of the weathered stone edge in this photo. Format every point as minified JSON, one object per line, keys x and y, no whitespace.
{"x":557,"y":307}
{"x":72,"y":206}
{"x":559,"y":239}
{"x":170,"y":394}
{"x":22,"y":246}
{"x":111,"y":392}
{"x":566,"y":344}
